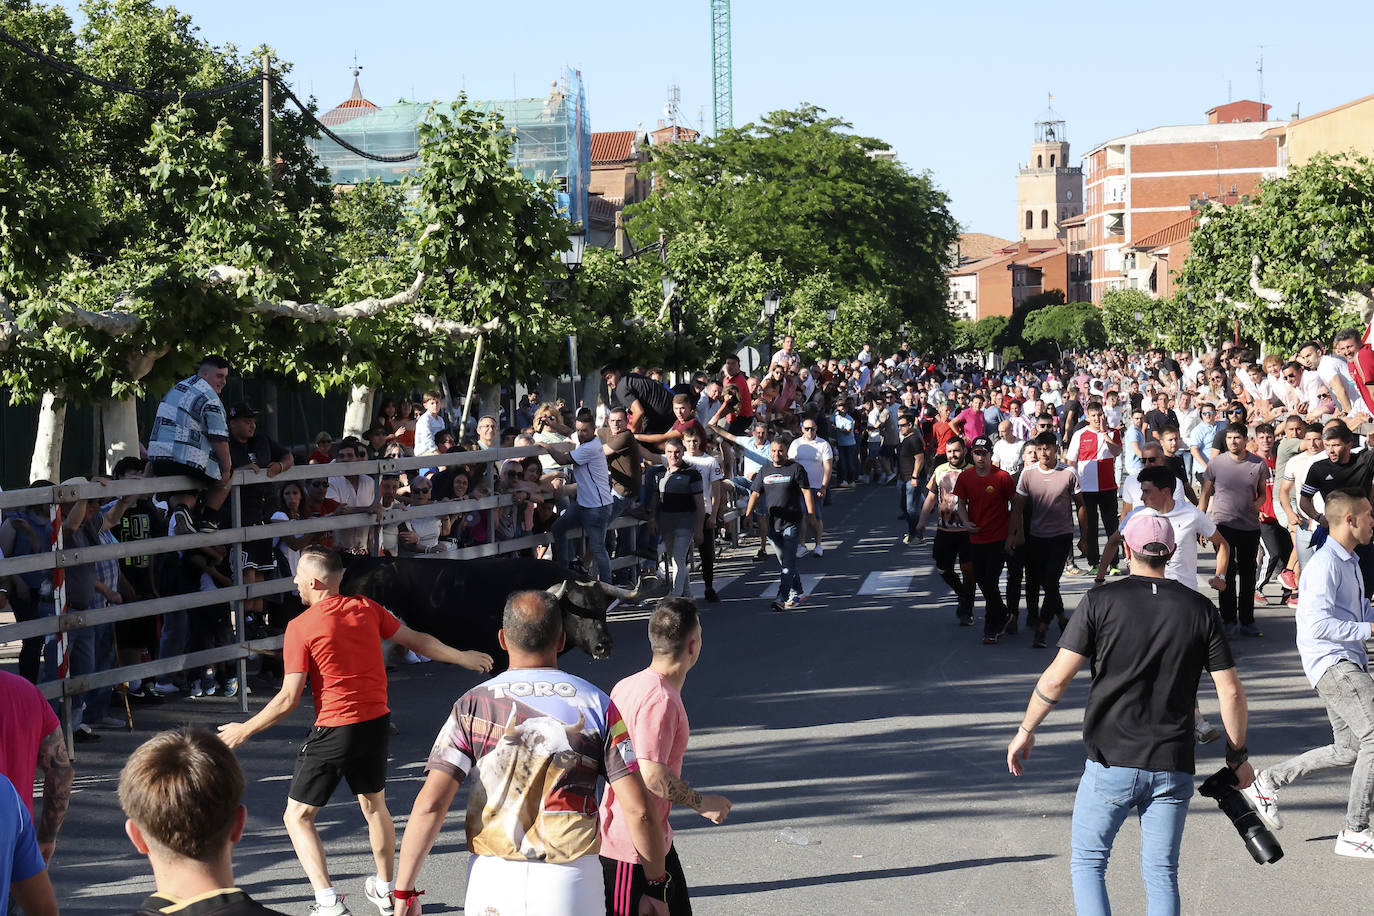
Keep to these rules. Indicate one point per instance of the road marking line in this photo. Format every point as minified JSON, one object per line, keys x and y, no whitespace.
{"x":809,"y":583}
{"x":888,"y":582}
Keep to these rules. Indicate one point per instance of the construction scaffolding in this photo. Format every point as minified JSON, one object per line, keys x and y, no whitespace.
{"x":552,"y":141}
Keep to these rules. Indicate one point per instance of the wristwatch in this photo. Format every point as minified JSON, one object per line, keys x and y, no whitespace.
{"x":1235,"y":757}
{"x":658,"y":890}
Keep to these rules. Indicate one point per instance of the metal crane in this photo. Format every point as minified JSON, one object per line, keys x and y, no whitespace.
{"x":722,"y":81}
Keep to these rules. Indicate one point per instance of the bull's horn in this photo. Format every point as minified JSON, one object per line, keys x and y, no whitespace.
{"x":615,"y":592}
{"x":576,"y":729}
{"x":559,"y":590}
{"x":512,"y":729}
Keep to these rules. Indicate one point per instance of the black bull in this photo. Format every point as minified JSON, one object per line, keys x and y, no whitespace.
{"x":460,"y":601}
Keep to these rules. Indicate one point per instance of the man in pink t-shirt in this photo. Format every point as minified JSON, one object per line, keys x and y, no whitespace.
{"x":33,"y":741}
{"x":651,"y":704}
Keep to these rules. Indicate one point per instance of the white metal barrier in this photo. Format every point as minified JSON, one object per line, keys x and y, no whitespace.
{"x":60,"y":557}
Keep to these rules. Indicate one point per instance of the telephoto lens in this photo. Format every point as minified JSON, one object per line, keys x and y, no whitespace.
{"x":1221,"y":786}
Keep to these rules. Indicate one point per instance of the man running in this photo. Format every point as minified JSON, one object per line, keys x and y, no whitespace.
{"x":951,"y":552}
{"x":337,"y":643}
{"x":985,"y":495}
{"x":651,"y":703}
{"x":1094,"y":450}
{"x":786,"y":492}
{"x":1050,"y":487}
{"x":536,"y":741}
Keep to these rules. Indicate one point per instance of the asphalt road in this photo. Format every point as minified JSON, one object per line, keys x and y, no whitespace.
{"x":867,"y":721}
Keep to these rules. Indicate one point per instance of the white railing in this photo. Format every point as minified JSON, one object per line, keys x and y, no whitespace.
{"x":63,"y":622}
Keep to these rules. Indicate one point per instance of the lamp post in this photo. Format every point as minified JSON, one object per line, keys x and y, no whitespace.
{"x":770,"y":308}
{"x":675,"y":313}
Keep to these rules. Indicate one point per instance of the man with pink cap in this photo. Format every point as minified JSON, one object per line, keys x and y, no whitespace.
{"x":1149,"y":638}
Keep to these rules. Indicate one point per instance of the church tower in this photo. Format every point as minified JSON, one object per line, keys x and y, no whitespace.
{"x":1048,"y":189}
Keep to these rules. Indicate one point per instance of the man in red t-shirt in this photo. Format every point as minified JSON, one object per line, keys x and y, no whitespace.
{"x":1359,"y":357}
{"x":33,"y":740}
{"x":985,"y":495}
{"x":337,"y":643}
{"x":742,"y":417}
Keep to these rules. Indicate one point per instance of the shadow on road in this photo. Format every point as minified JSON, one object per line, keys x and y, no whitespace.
{"x":878,"y":874}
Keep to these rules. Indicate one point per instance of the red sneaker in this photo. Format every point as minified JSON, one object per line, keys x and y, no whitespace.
{"x":1260,"y":599}
{"x":1289,"y":579}
{"x":1292,"y":600}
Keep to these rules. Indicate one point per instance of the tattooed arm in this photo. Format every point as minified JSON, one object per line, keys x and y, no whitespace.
{"x":57,"y":789}
{"x":671,"y":787}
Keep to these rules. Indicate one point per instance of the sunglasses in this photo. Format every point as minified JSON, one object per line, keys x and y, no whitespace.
{"x":318,"y":483}
{"x":419,"y":489}
{"x":808,"y":429}
{"x":1208,"y":413}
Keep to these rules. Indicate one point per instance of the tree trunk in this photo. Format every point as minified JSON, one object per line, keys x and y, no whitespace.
{"x":119,"y":421}
{"x":47,"y":449}
{"x":358,"y":415}
{"x":269,"y":409}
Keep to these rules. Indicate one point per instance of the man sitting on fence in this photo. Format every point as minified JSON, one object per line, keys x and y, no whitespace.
{"x":190,"y":438}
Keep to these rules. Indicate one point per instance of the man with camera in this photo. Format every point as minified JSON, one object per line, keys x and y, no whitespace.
{"x":1149,"y":639}
{"x":1334,"y":620}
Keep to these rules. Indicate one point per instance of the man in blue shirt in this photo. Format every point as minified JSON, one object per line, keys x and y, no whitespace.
{"x":23,"y":874}
{"x":842,"y":421}
{"x":1200,"y":439}
{"x":1334,"y":620}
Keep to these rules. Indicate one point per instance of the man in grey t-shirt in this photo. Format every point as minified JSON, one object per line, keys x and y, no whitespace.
{"x":1049,"y":489}
{"x":1233,"y":487}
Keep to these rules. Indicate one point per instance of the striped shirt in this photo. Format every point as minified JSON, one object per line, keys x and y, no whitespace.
{"x":189,"y":419}
{"x":1093,"y":459}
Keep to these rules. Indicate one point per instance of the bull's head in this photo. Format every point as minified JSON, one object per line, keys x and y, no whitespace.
{"x":584,"y":607}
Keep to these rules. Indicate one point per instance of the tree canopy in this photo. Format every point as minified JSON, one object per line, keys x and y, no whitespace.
{"x":793,"y":196}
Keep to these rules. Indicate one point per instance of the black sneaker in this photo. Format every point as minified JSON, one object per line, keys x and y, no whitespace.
{"x":711,"y":595}
{"x":208,"y":526}
{"x":776,"y":606}
{"x":184,"y":523}
{"x":966,"y":621}
{"x":1041,"y":639}
{"x":82,"y":734}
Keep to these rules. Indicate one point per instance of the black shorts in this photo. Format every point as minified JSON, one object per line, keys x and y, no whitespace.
{"x":951,"y":547}
{"x":164,"y":467}
{"x":625,"y":886}
{"x":332,"y":753}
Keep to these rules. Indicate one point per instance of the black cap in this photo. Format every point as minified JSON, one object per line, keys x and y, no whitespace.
{"x":242,"y":410}
{"x":982,"y":442}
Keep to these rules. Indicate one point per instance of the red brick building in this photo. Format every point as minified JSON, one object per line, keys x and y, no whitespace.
{"x":1146,"y":182}
{"x":1003,"y":280}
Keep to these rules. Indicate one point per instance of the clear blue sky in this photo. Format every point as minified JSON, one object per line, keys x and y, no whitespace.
{"x":955,"y":87}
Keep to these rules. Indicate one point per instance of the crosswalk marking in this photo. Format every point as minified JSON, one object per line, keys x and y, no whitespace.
{"x":699,"y":588}
{"x":888,"y":582}
{"x":809,"y":583}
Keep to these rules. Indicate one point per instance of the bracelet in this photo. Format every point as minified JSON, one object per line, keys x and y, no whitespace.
{"x":1024,"y":729}
{"x":406,"y":895}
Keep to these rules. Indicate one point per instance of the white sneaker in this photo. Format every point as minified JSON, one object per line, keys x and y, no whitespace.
{"x":1264,"y":798}
{"x":1355,"y":845}
{"x":1205,"y":732}
{"x":411,"y":658}
{"x":802,"y":550}
{"x":384,"y":902}
{"x":818,"y":550}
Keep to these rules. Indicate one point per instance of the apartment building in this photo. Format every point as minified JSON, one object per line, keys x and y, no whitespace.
{"x":1138,"y":185}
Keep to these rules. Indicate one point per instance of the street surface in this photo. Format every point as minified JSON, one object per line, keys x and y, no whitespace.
{"x":867,"y":721}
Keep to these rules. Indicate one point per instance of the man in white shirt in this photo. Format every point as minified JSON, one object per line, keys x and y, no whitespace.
{"x":1007,"y":451}
{"x":590,"y":510}
{"x":815,"y":455}
{"x":787,"y":357}
{"x":1335,"y":375}
{"x":353,"y":493}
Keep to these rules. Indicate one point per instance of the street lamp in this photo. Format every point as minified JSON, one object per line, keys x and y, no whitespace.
{"x":572,"y":258}
{"x":770,"y":308}
{"x":830,"y":315}
{"x":675,"y":313}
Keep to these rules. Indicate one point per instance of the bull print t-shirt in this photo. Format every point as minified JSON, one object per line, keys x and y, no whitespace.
{"x":534,"y":740}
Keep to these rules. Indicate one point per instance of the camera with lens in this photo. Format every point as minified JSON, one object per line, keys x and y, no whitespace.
{"x":1221,"y":787}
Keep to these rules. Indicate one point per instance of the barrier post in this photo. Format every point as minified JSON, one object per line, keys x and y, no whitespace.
{"x":237,"y":605}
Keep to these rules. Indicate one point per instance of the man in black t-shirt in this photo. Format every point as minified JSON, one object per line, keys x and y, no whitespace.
{"x":1340,"y":470}
{"x":649,"y":403}
{"x":786,"y":493}
{"x":1149,"y":640}
{"x":249,"y":448}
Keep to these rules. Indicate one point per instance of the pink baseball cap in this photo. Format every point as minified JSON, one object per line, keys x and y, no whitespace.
{"x":1149,"y":534}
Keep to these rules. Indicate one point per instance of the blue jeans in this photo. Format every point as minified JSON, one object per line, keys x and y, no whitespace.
{"x":911,"y":504}
{"x":1106,"y":796}
{"x":593,"y":523}
{"x":785,"y":543}
{"x":849,"y":463}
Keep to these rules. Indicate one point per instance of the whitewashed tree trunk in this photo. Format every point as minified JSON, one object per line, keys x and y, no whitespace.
{"x":47,"y":449}
{"x":119,"y":420}
{"x":358,"y":415}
